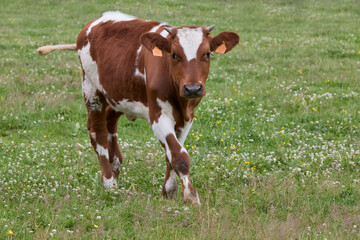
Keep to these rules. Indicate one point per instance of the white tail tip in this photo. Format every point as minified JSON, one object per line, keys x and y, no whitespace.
{"x":50,"y":48}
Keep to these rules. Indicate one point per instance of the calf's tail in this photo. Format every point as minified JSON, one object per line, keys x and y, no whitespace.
{"x":50,"y":48}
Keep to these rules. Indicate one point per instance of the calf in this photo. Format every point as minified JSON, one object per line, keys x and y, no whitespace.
{"x":150,"y":70}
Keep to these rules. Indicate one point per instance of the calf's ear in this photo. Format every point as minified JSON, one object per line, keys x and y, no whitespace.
{"x":155,"y":43}
{"x":224,"y":42}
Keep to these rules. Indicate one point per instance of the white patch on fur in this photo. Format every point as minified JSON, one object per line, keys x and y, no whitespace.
{"x":111,"y":16}
{"x":185,"y":131}
{"x":91,"y":82}
{"x":165,"y":125}
{"x":137,"y":71}
{"x":132,"y":110}
{"x":183,"y":150}
{"x":111,"y":135}
{"x":164,"y":33}
{"x":138,"y":52}
{"x":154,"y":29}
{"x":144,"y":76}
{"x":190,"y":40}
{"x":139,"y":74}
{"x":115,"y":165}
{"x":93,"y":135}
{"x":185,"y":180}
{"x":102,"y":151}
{"x":88,"y":90}
{"x":109,"y":183}
{"x":171,"y":185}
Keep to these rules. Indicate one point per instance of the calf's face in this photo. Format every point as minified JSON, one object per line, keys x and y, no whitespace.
{"x":188,"y":51}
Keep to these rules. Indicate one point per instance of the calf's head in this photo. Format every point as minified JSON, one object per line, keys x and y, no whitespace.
{"x":188,"y":51}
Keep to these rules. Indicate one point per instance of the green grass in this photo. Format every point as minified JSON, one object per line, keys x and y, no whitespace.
{"x":275,"y":147}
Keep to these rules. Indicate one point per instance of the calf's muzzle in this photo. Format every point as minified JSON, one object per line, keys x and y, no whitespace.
{"x":193,"y":91}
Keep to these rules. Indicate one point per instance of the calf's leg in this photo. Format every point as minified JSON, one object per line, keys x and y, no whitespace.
{"x":99,"y":138}
{"x":170,"y":185}
{"x":115,"y":157}
{"x":178,"y":160}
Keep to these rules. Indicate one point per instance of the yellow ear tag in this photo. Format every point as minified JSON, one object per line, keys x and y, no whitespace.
{"x":157,"y":52}
{"x":221,"y":48}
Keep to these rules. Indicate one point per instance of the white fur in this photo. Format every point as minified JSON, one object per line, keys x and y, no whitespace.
{"x":144,"y":76}
{"x":115,"y":165}
{"x":132,"y":110}
{"x":185,"y":180}
{"x":109,"y":183}
{"x":50,"y":48}
{"x":111,"y":135}
{"x":187,"y":192}
{"x":111,"y":16}
{"x":93,"y":135}
{"x":91,"y":82}
{"x":137,"y":71}
{"x":102,"y":151}
{"x":165,"y":125}
{"x":139,"y":74}
{"x":184,"y":131}
{"x":88,"y":90}
{"x":190,"y":40}
{"x":154,"y":29}
{"x":183,"y":150}
{"x":164,"y":33}
{"x":171,"y":184}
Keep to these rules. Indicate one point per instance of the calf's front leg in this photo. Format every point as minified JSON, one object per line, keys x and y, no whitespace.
{"x":178,"y":159}
{"x":170,"y":185}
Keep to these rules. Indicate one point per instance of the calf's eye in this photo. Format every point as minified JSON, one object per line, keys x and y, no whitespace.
{"x":207,"y":55}
{"x":173,"y":56}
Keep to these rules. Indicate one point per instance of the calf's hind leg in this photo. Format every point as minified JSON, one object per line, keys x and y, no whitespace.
{"x":97,"y":126}
{"x":115,"y":157}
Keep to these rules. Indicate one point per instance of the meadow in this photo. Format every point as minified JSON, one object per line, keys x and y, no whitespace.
{"x":274,"y":146}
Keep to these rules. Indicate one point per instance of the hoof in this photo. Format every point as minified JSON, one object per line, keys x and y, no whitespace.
{"x":109,"y":183}
{"x":191,"y":196}
{"x":170,"y":188}
{"x":172,"y":194}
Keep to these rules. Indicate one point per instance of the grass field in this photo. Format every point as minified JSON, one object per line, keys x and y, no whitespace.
{"x":275,"y":145}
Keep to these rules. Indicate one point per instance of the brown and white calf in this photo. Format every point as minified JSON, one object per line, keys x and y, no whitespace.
{"x":150,"y":70}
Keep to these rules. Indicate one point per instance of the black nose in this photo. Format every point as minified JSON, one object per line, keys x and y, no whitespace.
{"x":192,"y":91}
